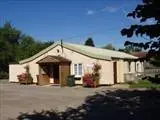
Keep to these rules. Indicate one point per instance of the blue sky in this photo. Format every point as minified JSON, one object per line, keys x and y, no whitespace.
{"x":70,"y":20}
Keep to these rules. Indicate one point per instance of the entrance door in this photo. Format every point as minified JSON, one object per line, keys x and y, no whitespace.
{"x":64,"y":72}
{"x":115,"y":72}
{"x":56,"y":74}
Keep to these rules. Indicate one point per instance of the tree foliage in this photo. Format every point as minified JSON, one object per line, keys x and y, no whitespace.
{"x":148,"y":10}
{"x":15,"y":46}
{"x":130,"y":48}
{"x":109,"y":46}
{"x":89,"y":42}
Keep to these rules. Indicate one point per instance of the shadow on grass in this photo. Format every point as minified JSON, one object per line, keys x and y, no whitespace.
{"x":111,"y":105}
{"x":155,"y":80}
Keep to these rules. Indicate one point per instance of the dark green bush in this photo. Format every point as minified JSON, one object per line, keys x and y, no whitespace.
{"x":4,"y":75}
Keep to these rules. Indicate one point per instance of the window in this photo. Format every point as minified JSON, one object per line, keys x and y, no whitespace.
{"x":137,"y":67}
{"x":129,"y":66}
{"x":75,"y":69}
{"x":78,"y":69}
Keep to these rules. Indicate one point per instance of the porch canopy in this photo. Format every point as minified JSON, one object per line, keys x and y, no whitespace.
{"x":55,"y":67}
{"x":53,"y":59}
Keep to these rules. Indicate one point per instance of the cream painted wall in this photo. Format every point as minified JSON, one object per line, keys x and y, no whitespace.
{"x":133,"y":67}
{"x":142,"y":66}
{"x":14,"y":70}
{"x":125,"y":66}
{"x":120,"y":71}
{"x":106,"y":72}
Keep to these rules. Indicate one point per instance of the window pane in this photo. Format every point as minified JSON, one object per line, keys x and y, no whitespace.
{"x":75,"y":69}
{"x":80,"y":69}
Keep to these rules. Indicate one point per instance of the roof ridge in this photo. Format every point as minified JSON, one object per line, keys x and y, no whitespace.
{"x":99,"y":48}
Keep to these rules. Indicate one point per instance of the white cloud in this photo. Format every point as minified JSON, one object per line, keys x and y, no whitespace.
{"x":90,"y":12}
{"x":150,"y":21}
{"x":110,"y":9}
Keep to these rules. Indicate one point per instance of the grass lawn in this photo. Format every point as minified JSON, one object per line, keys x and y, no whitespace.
{"x":144,"y":84}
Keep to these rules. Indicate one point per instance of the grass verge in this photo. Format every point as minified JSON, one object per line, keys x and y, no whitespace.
{"x":144,"y":84}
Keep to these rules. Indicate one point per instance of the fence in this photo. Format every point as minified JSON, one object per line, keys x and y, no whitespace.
{"x":139,"y":75}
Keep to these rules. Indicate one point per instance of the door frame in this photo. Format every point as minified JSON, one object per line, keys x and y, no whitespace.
{"x":57,"y":71}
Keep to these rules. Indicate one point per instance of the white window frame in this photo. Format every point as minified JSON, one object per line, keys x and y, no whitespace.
{"x":76,"y":73}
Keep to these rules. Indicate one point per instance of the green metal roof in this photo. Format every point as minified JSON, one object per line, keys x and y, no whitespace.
{"x":93,"y":52}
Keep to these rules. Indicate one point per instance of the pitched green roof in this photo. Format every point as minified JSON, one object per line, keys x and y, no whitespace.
{"x":93,"y":52}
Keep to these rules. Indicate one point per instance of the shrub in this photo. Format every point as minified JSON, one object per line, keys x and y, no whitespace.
{"x":88,"y":80}
{"x":24,"y":77}
{"x":27,"y":68}
{"x":92,"y":79}
{"x":96,"y":73}
{"x":4,"y":75}
{"x":129,"y":82}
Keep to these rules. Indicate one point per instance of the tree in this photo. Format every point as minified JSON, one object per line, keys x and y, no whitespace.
{"x":109,"y":46}
{"x":15,"y":46}
{"x":130,"y":49}
{"x":10,"y":34}
{"x":149,"y":9}
{"x":89,"y":42}
{"x":9,"y":38}
{"x":28,"y":46}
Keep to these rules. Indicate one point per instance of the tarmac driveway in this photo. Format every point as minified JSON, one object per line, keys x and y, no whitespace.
{"x":15,"y":98}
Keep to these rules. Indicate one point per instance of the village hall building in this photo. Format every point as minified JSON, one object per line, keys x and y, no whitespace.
{"x":61,"y":59}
